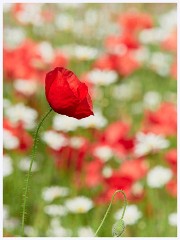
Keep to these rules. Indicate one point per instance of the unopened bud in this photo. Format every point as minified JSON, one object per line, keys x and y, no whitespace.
{"x":118,"y":228}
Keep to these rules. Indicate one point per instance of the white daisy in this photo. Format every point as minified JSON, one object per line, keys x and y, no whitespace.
{"x":6,"y":103}
{"x":20,"y":112}
{"x":103,"y":152}
{"x":85,"y":232}
{"x":26,"y":87}
{"x":54,"y":140}
{"x":7,"y":166}
{"x":30,"y":13}
{"x":57,"y":230}
{"x":11,"y":223}
{"x":102,"y":77}
{"x":149,"y":142}
{"x":53,"y":192}
{"x":25,"y":163}
{"x":30,"y":231}
{"x":172,"y":219}
{"x":152,"y":100}
{"x":96,"y":121}
{"x":5,"y":211}
{"x":46,"y":51}
{"x":55,"y":222}
{"x":76,"y":142}
{"x":158,"y":176}
{"x":18,"y":36}
{"x":55,"y":210}
{"x":131,"y":216}
{"x":168,"y":21}
{"x":126,"y":91}
{"x":142,"y":54}
{"x":65,"y":123}
{"x":153,"y":35}
{"x":79,"y":52}
{"x":9,"y":140}
{"x":64,"y":22}
{"x":85,"y":53}
{"x":91,"y":17}
{"x":107,"y":171}
{"x":160,"y":63}
{"x":79,"y":204}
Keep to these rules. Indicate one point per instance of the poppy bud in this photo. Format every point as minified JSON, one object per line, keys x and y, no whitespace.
{"x":118,"y":228}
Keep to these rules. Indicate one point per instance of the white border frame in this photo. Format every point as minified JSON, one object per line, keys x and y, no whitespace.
{"x":1,"y":104}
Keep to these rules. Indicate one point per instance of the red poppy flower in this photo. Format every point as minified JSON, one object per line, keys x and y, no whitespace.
{"x":67,"y":95}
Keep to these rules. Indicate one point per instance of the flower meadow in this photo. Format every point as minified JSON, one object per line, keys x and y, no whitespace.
{"x":126,"y":54}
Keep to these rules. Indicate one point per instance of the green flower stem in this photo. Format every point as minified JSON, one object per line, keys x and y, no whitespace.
{"x":112,"y":199}
{"x":30,"y":168}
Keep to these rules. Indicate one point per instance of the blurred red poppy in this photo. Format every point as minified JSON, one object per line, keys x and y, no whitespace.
{"x":163,"y":120}
{"x":93,"y":170}
{"x":67,"y":95}
{"x":69,"y":157}
{"x":116,"y":181}
{"x":171,"y":187}
{"x":132,"y":21}
{"x":121,"y":43}
{"x":124,"y":64}
{"x":171,"y":158}
{"x":30,"y":62}
{"x":135,"y":169}
{"x":25,"y":139}
{"x":116,"y":132}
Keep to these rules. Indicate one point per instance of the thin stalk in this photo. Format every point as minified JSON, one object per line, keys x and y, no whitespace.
{"x":30,"y":168}
{"x":107,"y":211}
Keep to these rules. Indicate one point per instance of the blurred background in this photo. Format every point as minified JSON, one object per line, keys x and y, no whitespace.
{"x":126,"y":54}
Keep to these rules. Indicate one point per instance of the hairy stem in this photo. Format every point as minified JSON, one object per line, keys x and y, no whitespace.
{"x":30,"y":168}
{"x":125,"y":204}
